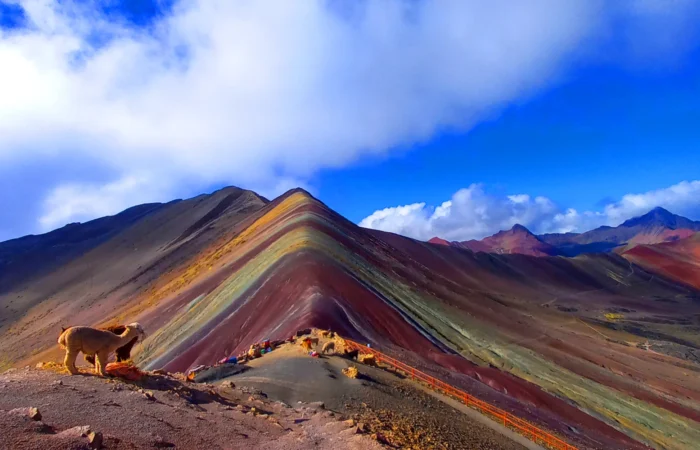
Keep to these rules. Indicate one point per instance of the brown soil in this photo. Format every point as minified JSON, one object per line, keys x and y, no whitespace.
{"x":161,"y":411}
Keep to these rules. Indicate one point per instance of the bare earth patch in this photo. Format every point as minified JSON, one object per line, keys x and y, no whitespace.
{"x":160,"y":411}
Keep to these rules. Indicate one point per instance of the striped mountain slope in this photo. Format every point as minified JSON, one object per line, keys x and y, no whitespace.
{"x":552,"y":340}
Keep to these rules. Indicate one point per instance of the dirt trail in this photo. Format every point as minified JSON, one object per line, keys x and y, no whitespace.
{"x":160,"y":412}
{"x":384,"y":402}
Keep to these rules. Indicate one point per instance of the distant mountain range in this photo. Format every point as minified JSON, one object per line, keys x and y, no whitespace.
{"x":658,"y":225}
{"x":516,"y":240}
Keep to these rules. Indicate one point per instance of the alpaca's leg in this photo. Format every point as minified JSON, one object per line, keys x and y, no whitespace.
{"x":69,"y":361}
{"x":101,"y":363}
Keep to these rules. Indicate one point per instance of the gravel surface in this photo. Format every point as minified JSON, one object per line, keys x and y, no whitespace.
{"x":383,"y":402}
{"x":161,"y":411}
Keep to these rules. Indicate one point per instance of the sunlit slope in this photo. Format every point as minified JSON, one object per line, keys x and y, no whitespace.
{"x":678,"y":260}
{"x":558,"y":341}
{"x":300,"y":264}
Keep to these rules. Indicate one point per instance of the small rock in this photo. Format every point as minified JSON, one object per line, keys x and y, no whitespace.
{"x":159,"y":442}
{"x":40,"y":365}
{"x":32,"y":413}
{"x":95,"y":439}
{"x":317,"y":405}
{"x":228,"y":384}
{"x":361,"y":428}
{"x":349,"y":423}
{"x":57,"y":383}
{"x":264,"y":416}
{"x":76,"y":431}
{"x":240,"y":407}
{"x":379,"y":437}
{"x":149,"y":395}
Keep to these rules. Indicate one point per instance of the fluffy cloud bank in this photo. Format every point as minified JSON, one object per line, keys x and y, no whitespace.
{"x":472,"y":213}
{"x":257,"y":93}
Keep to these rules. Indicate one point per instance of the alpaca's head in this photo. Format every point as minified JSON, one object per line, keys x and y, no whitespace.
{"x":137,"y":328}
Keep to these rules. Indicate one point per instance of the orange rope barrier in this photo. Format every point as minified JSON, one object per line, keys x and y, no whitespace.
{"x":525,"y":428}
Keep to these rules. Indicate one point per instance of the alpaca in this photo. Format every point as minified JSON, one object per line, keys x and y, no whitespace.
{"x":306,"y":344}
{"x":351,"y":354}
{"x":92,"y":341}
{"x":328,"y":347}
{"x":123,"y":353}
{"x":368,"y":359}
{"x":309,"y":343}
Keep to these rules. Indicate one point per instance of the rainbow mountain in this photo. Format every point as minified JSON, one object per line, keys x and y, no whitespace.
{"x":594,"y":347}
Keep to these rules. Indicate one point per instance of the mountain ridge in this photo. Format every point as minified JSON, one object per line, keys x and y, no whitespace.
{"x":521,"y":332}
{"x":656,"y":226}
{"x":518,"y":239}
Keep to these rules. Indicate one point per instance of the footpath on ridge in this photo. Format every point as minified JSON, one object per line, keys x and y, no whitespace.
{"x":275,"y":372}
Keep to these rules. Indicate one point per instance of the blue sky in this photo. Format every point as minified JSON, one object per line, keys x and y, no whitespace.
{"x":599,"y":135}
{"x":455,"y":120}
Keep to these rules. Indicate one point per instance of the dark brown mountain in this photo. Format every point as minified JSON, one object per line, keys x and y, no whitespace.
{"x":115,"y":255}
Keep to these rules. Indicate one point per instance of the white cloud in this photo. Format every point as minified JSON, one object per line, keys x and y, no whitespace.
{"x":257,"y":93}
{"x":410,"y":220}
{"x":682,"y":198}
{"x":472,"y":213}
{"x":77,"y":202}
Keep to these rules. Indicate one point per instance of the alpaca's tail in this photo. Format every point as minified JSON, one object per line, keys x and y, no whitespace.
{"x":62,"y":339}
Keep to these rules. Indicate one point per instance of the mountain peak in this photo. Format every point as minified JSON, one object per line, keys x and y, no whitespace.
{"x":520,"y":229}
{"x":299,"y":191}
{"x":516,"y":240}
{"x":437,"y":240}
{"x":660,"y":217}
{"x":660,"y":210}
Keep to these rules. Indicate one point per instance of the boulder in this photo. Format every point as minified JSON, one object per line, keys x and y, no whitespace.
{"x":219,"y":372}
{"x":31,"y":412}
{"x":351,"y":372}
{"x":95,"y":439}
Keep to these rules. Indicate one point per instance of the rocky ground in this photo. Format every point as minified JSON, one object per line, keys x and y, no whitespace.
{"x":384,"y":404}
{"x":45,"y":409}
{"x":284,"y":400}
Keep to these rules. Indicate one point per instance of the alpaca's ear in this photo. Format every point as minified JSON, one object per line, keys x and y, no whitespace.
{"x":63,"y":329}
